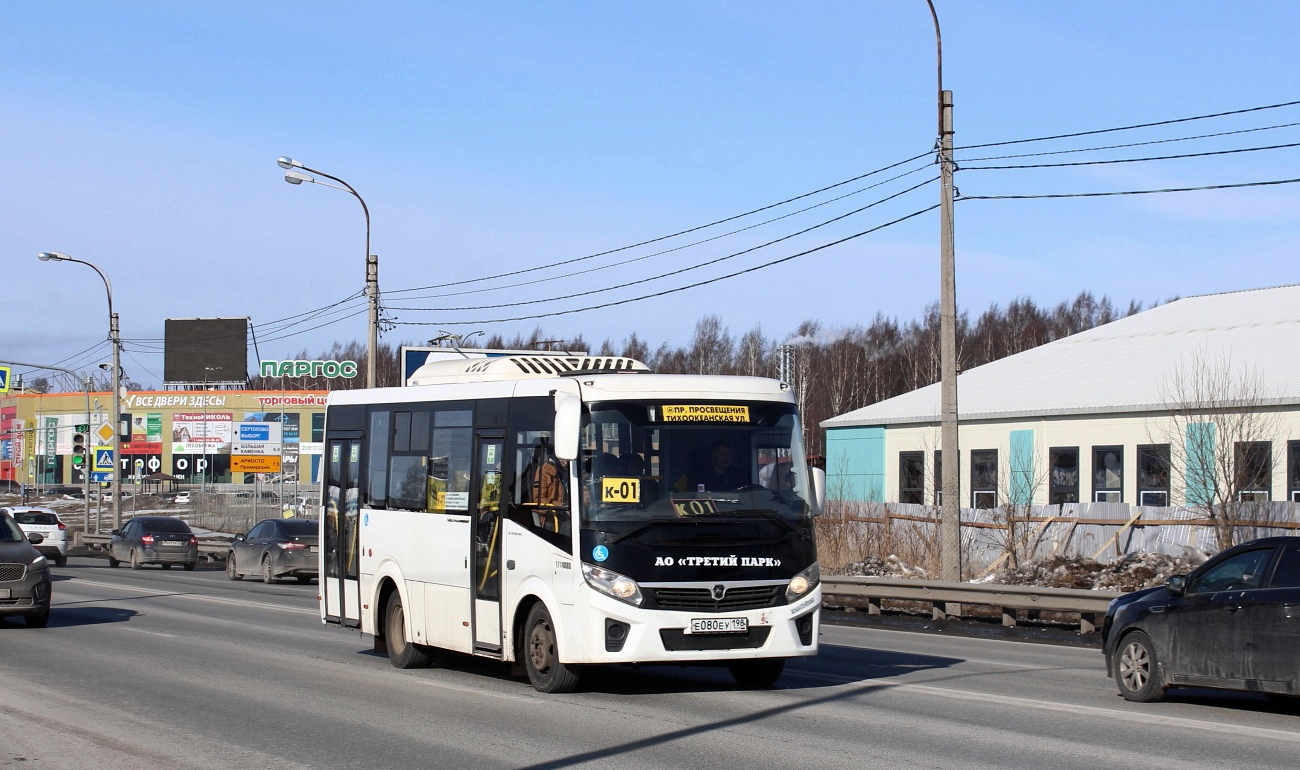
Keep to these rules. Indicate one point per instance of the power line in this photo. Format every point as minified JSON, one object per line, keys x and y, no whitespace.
{"x":1126,"y":192}
{"x":1129,"y":128}
{"x":673,"y":235}
{"x":1133,"y":160}
{"x":658,"y":253}
{"x":1130,"y":144}
{"x":681,"y":270}
{"x":665,"y":292}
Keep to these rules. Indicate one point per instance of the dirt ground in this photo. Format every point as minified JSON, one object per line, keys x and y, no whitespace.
{"x":1127,"y":573}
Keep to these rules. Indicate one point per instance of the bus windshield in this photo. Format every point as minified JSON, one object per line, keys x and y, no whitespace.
{"x":681,"y":460}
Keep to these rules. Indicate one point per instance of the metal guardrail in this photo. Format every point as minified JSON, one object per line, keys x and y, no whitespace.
{"x":209,"y":550}
{"x":946,"y":598}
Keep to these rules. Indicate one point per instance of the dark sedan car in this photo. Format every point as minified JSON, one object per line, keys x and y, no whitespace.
{"x":161,"y":540}
{"x":275,"y":548}
{"x":1233,"y":623}
{"x":24,"y":575}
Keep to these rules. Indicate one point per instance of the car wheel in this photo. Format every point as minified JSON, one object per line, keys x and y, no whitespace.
{"x":303,"y":579}
{"x":232,"y":571}
{"x":135,"y":560}
{"x":1137,"y":672}
{"x":165,"y":566}
{"x":189,"y":566}
{"x":61,"y":560}
{"x":542,"y":655}
{"x":38,"y":621}
{"x":402,"y":653}
{"x":757,"y":674}
{"x":113,"y":562}
{"x":267,"y":577}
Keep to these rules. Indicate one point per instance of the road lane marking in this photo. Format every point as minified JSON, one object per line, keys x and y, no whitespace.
{"x":145,"y":593}
{"x":1073,"y":709}
{"x":151,"y":633}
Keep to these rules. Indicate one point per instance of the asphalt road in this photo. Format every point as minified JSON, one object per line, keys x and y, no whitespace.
{"x":172,"y":669}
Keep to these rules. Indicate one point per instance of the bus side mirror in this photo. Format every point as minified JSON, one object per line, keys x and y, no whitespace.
{"x":818,"y":478}
{"x":568,"y":412}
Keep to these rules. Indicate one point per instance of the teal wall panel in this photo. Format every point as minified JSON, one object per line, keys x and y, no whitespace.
{"x":1199,"y":445}
{"x":855,"y":464}
{"x":1022,"y":467}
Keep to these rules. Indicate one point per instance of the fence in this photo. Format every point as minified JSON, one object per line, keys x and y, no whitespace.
{"x":1099,"y":531}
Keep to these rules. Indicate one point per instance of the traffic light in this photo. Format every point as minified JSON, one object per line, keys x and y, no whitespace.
{"x":79,"y":446}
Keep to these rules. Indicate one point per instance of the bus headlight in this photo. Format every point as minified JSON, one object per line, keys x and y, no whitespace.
{"x":612,"y":584}
{"x":803,"y":582}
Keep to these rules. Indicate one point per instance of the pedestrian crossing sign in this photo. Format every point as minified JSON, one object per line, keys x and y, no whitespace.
{"x":4,"y":379}
{"x":103,"y":459}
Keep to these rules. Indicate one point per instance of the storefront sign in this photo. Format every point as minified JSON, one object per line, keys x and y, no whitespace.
{"x":347,"y":369}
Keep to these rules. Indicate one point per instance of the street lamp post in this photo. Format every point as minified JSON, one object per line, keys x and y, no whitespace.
{"x":372,"y":260}
{"x":115,"y":339}
{"x":950,"y":508}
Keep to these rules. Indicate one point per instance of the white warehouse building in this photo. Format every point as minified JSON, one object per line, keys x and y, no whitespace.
{"x":1152,"y":409}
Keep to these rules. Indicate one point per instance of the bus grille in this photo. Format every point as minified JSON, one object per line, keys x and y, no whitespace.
{"x":10,"y":572}
{"x":701,"y":599}
{"x":674,"y":640}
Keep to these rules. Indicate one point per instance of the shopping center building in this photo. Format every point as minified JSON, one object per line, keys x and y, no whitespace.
{"x":49,"y":439}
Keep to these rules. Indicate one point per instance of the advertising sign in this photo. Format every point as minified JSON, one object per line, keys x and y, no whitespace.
{"x":201,"y":432}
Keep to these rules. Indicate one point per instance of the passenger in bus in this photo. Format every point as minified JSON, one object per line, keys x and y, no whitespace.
{"x":720,"y":475}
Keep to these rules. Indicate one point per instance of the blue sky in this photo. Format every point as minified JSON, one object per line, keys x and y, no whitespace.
{"x":495,"y":137}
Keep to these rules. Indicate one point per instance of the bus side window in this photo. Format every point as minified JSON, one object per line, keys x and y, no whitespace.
{"x":541,"y":495}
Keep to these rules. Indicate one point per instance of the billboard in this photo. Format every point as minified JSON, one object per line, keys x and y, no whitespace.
{"x":199,"y":350}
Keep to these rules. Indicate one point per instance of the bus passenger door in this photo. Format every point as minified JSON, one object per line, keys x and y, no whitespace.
{"x":490,"y":453}
{"x":340,"y":582}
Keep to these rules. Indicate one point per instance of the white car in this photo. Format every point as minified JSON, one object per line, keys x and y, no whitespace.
{"x":45,"y":522}
{"x":182,"y":498}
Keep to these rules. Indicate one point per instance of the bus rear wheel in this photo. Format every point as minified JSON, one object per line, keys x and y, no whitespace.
{"x":757,"y":674}
{"x":402,"y":653}
{"x":542,"y":655}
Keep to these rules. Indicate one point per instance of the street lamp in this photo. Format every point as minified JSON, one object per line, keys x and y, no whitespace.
{"x":950,"y":506}
{"x":203,"y":479}
{"x":114,"y":338}
{"x":372,"y":261}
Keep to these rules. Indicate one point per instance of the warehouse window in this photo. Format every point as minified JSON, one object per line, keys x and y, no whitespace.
{"x":984,"y":478}
{"x":1293,"y":471}
{"x":1108,"y":474}
{"x":1153,"y":474}
{"x":1063,"y":475}
{"x":911,"y":477}
{"x":1254,"y":471}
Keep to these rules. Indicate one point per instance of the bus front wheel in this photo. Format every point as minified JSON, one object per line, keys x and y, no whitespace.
{"x":402,"y":653}
{"x":542,"y":655}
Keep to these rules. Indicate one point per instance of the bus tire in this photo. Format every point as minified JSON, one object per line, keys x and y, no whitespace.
{"x":757,"y":674}
{"x":542,"y":655}
{"x":402,"y":653}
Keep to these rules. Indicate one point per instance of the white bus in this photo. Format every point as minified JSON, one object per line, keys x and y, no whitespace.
{"x":560,"y":512}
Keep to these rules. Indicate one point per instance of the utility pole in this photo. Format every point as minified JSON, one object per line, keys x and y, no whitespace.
{"x":950,"y":508}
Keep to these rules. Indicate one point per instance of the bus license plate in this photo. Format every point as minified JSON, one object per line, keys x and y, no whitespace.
{"x":719,"y":625}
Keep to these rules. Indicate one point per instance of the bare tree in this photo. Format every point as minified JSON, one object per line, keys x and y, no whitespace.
{"x":1221,"y":431}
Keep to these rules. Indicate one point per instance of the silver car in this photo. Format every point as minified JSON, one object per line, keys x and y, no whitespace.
{"x":47,"y":523}
{"x":24,"y":575}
